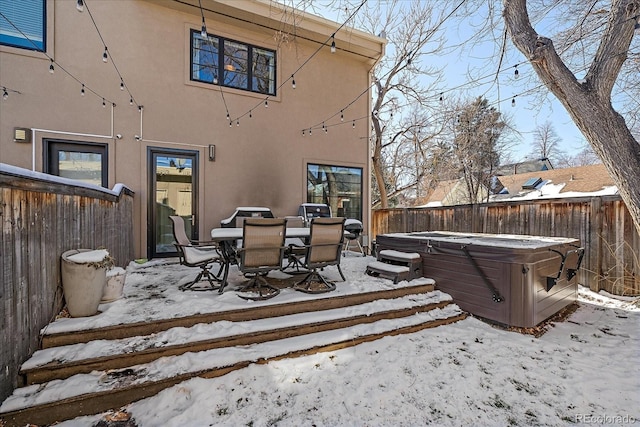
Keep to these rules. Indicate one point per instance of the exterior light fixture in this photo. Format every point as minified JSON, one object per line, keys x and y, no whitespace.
{"x":21,"y":135}
{"x":212,"y":153}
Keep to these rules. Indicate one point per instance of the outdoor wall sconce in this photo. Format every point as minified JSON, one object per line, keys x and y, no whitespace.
{"x":212,"y":153}
{"x":22,"y":135}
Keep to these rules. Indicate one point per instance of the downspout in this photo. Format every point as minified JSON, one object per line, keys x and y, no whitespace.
{"x":369,"y":159}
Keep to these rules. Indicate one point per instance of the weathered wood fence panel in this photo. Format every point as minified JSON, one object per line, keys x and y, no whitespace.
{"x":40,"y":220}
{"x":603,"y":225}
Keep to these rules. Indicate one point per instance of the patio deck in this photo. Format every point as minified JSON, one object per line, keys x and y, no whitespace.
{"x":157,"y":336}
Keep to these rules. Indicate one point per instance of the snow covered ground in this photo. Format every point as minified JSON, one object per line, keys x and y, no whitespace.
{"x":582,"y":371}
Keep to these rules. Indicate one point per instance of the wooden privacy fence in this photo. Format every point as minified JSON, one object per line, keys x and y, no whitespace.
{"x":41,"y":218}
{"x":603,"y":225}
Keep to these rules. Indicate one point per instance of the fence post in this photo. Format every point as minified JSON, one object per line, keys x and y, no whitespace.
{"x":405,"y":220}
{"x":595,"y":251}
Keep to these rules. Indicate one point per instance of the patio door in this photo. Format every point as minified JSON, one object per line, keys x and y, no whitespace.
{"x":173,"y":190}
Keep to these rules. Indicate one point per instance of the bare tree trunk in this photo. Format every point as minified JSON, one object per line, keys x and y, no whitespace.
{"x":589,"y":102}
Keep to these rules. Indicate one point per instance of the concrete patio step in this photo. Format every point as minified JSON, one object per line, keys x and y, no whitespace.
{"x":114,"y":377}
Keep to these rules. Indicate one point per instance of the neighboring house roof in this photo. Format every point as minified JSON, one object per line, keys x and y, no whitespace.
{"x":542,"y":164}
{"x":565,"y":182}
{"x":568,"y":182}
{"x":453,"y":192}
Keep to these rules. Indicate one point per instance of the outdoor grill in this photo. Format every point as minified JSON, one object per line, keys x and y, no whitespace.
{"x":245,"y":212}
{"x":308,"y":211}
{"x":354,"y":228}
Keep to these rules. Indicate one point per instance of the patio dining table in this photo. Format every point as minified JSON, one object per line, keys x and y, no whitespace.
{"x":227,"y":237}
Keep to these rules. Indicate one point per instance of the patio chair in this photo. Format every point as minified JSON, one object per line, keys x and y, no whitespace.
{"x":353,"y":227}
{"x":197,"y":253}
{"x":324,"y":249}
{"x":262,"y":251}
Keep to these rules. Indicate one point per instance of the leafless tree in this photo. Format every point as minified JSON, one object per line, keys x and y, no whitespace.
{"x":477,"y":134}
{"x":604,"y":36}
{"x":412,"y":32}
{"x":546,"y":144}
{"x":585,"y":156}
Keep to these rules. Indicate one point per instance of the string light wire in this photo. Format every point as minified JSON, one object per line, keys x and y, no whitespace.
{"x":123,"y":85}
{"x":53,"y":61}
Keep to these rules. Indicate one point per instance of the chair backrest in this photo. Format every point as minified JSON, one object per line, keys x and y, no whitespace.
{"x":325,"y":242}
{"x":179,"y":232}
{"x":262,"y":244}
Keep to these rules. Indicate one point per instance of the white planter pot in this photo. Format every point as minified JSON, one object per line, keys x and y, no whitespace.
{"x":114,"y":289}
{"x":83,"y":285}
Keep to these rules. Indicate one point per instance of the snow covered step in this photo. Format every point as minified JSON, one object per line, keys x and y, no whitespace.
{"x":396,"y":265}
{"x":270,"y":308}
{"x":95,"y":392}
{"x":64,"y":361}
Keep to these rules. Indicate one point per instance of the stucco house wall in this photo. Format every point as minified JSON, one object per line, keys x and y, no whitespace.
{"x":261,"y":162}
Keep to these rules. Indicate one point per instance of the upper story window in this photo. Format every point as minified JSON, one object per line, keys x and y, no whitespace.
{"x":229,"y":63}
{"x":23,"y":24}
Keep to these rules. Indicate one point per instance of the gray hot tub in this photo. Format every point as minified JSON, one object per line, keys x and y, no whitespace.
{"x":514,"y":280}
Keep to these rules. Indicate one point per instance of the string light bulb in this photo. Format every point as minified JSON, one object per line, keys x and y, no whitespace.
{"x":80,"y":5}
{"x":516,"y":73}
{"x":513,"y":102}
{"x":203,"y":32}
{"x":293,"y":81}
{"x":341,"y":115}
{"x":82,"y":90}
{"x":333,"y":43}
{"x":5,"y":94}
{"x":131,"y":101}
{"x":215,"y":79}
{"x":441,"y":96}
{"x":303,"y":132}
{"x":238,"y":123}
{"x":309,"y":131}
{"x":230,"y":123}
{"x":266,"y":103}
{"x":121,"y":84}
{"x":228,"y":118}
{"x":51,"y":67}
{"x":105,"y":56}
{"x":250,"y":114}
{"x":104,"y":104}
{"x":353,"y":125}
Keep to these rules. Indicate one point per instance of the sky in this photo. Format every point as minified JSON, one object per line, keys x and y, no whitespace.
{"x":479,"y":61}
{"x":580,"y":372}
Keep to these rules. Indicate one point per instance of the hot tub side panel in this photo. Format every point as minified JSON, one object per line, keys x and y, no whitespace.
{"x":519,"y":276}
{"x":455,"y":275}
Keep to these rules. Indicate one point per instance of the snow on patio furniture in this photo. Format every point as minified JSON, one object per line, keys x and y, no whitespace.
{"x":324,"y":249}
{"x":396,"y":265}
{"x":262,"y":251}
{"x":195,"y":253}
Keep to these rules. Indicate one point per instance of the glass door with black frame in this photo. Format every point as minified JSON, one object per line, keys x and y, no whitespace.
{"x":173,"y":191}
